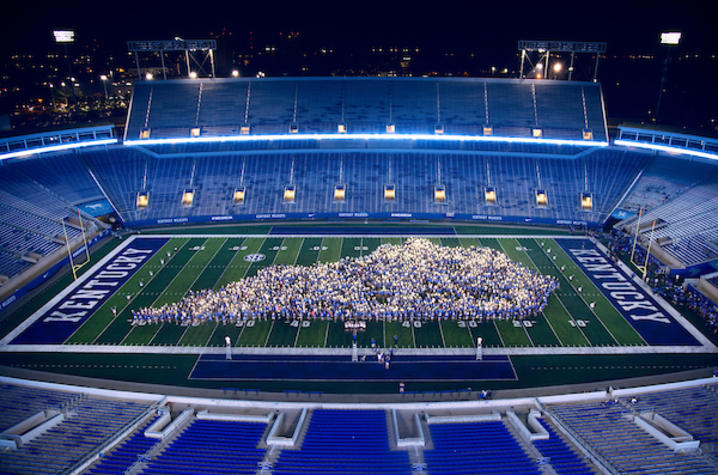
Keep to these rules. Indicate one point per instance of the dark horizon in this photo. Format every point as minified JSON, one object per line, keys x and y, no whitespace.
{"x":487,"y":29}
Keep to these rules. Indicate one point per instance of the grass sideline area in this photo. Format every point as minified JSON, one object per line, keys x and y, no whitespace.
{"x":532,"y":371}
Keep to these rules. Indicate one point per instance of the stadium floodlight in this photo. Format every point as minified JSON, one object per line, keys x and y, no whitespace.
{"x":557,"y":67}
{"x":149,"y":76}
{"x":235,"y":73}
{"x":64,"y":36}
{"x":103,"y":77}
{"x":670,"y":37}
{"x":193,"y":75}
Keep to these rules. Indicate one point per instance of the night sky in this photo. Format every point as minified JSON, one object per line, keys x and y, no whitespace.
{"x":490,"y":27}
{"x":481,"y":33}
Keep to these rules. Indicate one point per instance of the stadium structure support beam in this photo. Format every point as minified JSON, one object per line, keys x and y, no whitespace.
{"x":573,"y":47}
{"x":176,"y":45}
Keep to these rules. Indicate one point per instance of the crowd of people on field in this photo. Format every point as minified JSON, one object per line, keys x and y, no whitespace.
{"x":416,"y":280}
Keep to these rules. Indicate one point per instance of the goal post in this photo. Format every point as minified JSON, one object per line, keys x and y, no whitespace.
{"x":643,"y":267}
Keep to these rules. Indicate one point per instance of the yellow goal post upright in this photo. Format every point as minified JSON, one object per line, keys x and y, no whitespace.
{"x":642,"y":267}
{"x":73,"y":266}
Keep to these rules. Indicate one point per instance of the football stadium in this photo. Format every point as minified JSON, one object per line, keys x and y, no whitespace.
{"x":359,"y":275}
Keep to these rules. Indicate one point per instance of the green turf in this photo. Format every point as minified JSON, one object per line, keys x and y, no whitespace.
{"x":374,"y":330}
{"x":486,"y":330}
{"x":351,"y":247}
{"x":255,"y":333}
{"x":371,"y":244}
{"x":170,"y":333}
{"x":401,"y":329}
{"x":312,"y":335}
{"x":197,"y":336}
{"x":604,"y":310}
{"x":222,"y":331}
{"x":562,"y":323}
{"x":450,"y":242}
{"x":237,"y":267}
{"x":120,"y":326}
{"x":593,"y":329}
{"x":428,"y":334}
{"x":330,"y":249}
{"x":289,"y":250}
{"x":103,"y":315}
{"x":270,"y":249}
{"x":456,"y":336}
{"x":492,"y":243}
{"x":309,"y":252}
{"x":392,"y":240}
{"x":513,"y":333}
{"x":283,"y":333}
{"x":532,"y":371}
{"x":337,"y":337}
{"x":214,"y":270}
{"x":179,"y":287}
{"x":537,"y":327}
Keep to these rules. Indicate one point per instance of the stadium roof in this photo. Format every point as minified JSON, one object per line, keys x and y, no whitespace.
{"x":457,"y":106}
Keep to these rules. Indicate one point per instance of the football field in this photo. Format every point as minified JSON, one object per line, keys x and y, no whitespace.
{"x":595,"y":307}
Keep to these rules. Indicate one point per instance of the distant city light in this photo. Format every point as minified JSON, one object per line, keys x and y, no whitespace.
{"x":103,"y":77}
{"x":670,"y":37}
{"x":149,"y":76}
{"x":235,"y":73}
{"x":64,"y":36}
{"x":557,"y":67}
{"x":192,"y":75}
{"x":539,"y":66}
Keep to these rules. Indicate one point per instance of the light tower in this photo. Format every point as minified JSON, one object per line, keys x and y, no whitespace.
{"x":669,"y":39}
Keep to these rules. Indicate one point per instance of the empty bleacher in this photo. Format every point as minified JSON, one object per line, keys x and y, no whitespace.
{"x":87,"y":425}
{"x":689,"y":223}
{"x":693,"y":410}
{"x":562,"y":458}
{"x":416,"y":105}
{"x":127,"y":453}
{"x":314,"y":174}
{"x":210,"y":446}
{"x":486,"y":447}
{"x":603,"y":427}
{"x":344,"y":441}
{"x":20,"y":402}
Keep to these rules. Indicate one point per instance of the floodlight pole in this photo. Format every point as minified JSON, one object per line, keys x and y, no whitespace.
{"x":595,"y":69}
{"x":663,"y":82}
{"x":186,"y":57}
{"x":521,"y":71}
{"x":548,"y":53}
{"x":162,"y":58}
{"x":570,"y":68}
{"x":137,"y":62}
{"x":211,"y":60}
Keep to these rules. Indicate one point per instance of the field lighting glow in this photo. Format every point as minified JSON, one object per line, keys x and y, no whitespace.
{"x":338,"y":136}
{"x":670,"y":37}
{"x":64,"y":36}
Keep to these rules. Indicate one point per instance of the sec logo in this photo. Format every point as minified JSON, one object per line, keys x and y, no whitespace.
{"x":254,"y":257}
